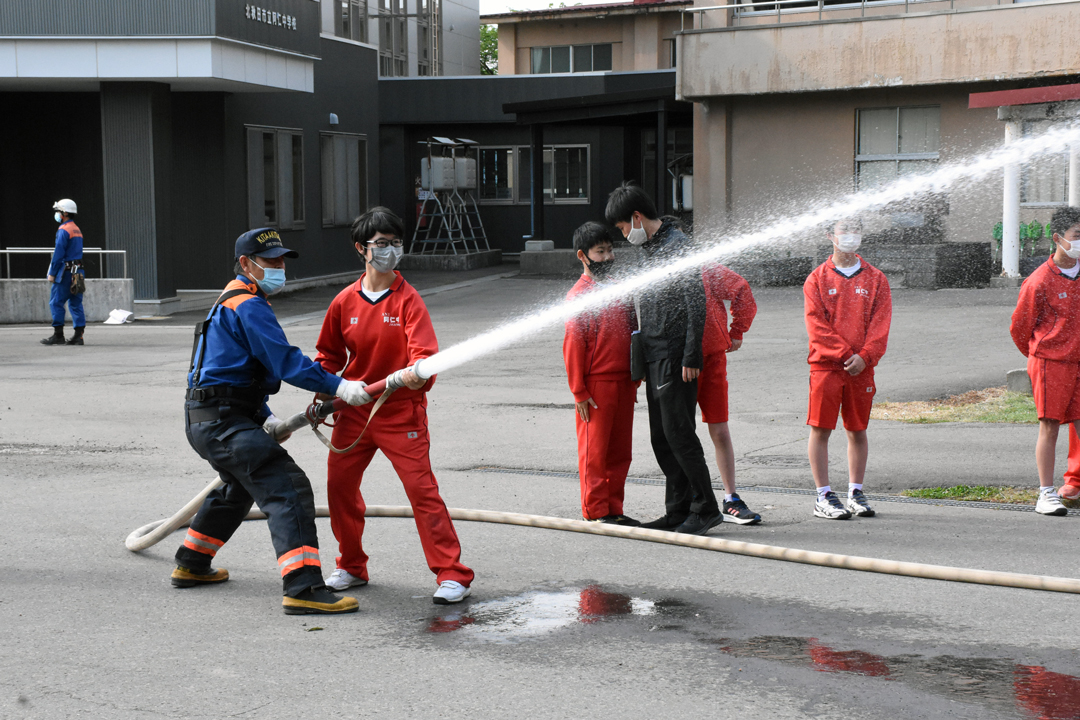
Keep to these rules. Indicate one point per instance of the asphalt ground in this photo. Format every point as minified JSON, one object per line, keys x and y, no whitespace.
{"x":559,"y":624}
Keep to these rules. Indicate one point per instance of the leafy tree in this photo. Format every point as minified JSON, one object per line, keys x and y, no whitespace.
{"x":489,"y":49}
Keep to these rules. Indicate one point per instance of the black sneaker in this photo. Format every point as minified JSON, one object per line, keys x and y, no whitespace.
{"x":667,"y":522}
{"x":700,"y":524}
{"x":736,"y":511}
{"x":622,"y":520}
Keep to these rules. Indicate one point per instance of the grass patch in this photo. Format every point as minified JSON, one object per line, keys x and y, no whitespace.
{"x":992,"y":405}
{"x":977,"y":493}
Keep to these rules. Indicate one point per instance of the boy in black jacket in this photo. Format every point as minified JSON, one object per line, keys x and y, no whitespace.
{"x":672,"y":318}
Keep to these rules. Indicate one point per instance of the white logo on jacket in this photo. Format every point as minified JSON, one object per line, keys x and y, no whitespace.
{"x":352,"y":321}
{"x":832,"y":291}
{"x":862,"y":291}
{"x":1063,"y":295}
{"x":391,"y":320}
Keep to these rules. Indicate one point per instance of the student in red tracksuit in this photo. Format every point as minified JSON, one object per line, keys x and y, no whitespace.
{"x":1044,"y":328}
{"x":718,"y":340}
{"x":596,"y":349}
{"x":848,"y":309}
{"x":374,"y":327}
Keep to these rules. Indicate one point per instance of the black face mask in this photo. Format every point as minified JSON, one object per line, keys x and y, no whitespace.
{"x":601,"y":269}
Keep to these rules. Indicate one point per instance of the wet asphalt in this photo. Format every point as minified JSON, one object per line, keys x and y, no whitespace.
{"x":559,"y":624}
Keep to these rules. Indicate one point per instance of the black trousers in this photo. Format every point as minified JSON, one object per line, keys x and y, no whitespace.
{"x":256,"y":469}
{"x":673,"y":430}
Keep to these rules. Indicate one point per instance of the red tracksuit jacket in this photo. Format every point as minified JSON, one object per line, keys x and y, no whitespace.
{"x":597,"y":343}
{"x":1044,"y":323}
{"x":723,"y":284}
{"x":370,"y":340}
{"x":846,"y":316}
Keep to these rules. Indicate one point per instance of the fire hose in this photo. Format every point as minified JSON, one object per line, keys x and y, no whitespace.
{"x":152,"y":533}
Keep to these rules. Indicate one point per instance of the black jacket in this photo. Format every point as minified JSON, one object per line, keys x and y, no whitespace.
{"x":672,"y":312}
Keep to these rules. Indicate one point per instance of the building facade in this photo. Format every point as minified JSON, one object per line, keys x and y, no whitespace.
{"x":799,"y":102}
{"x":415,"y":38}
{"x":618,"y":37}
{"x":176,"y":126}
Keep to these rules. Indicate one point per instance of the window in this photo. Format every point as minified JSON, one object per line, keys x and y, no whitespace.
{"x":344,"y":177}
{"x":352,"y":21}
{"x":275,"y":178}
{"x":1044,"y":181}
{"x":428,"y":37}
{"x":393,"y":47}
{"x":566,"y":174}
{"x":894,"y":142}
{"x":571,"y":58}
{"x":495,"y":171}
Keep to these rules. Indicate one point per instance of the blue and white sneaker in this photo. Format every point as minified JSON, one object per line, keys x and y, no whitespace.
{"x":830,"y":507}
{"x":858,"y":506}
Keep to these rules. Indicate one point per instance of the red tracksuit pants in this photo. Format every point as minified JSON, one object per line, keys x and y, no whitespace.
{"x":400,"y":431}
{"x":1072,"y":472}
{"x":605,"y":447}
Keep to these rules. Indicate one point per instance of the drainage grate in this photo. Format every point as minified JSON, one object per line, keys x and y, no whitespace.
{"x":779,"y":490}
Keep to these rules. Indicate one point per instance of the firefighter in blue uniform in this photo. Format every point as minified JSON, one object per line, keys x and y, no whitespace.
{"x":240,"y":357}
{"x":67,"y":259}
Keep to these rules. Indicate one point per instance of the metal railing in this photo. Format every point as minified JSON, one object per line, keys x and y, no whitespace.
{"x":738,"y":9}
{"x":8,"y":252}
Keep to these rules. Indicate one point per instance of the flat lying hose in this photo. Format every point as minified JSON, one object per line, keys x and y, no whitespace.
{"x":140,"y":539}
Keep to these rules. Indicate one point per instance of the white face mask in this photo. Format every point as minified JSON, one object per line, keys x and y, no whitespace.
{"x":848,"y":242}
{"x":637,"y":235}
{"x":58,"y":217}
{"x":1074,"y":249}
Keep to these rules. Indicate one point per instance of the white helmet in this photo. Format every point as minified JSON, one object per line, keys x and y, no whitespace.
{"x":65,"y":205}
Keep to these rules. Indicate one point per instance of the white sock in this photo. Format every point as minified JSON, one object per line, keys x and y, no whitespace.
{"x":822,"y":490}
{"x":728,"y":498}
{"x":852,"y":487}
{"x":1046,"y":489}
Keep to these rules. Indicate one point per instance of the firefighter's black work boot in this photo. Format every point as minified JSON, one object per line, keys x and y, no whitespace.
{"x":183,"y":577}
{"x":77,"y":338}
{"x":57,"y":338}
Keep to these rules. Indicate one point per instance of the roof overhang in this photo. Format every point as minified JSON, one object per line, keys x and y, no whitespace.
{"x":185,"y":63}
{"x":584,"y":108}
{"x":1025,"y":96}
{"x":585,"y":11}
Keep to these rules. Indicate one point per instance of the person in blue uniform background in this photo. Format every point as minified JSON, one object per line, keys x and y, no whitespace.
{"x":67,"y":258}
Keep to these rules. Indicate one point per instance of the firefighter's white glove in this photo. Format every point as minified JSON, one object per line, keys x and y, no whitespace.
{"x":276,"y":428}
{"x":352,"y":392}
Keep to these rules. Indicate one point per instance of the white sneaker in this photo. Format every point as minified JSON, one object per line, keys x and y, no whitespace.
{"x":830,"y":507}
{"x":1049,"y":503}
{"x":450,"y":592}
{"x":342,"y":580}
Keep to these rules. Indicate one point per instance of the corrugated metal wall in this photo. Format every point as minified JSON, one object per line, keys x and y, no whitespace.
{"x":127,"y":147}
{"x":107,"y":17}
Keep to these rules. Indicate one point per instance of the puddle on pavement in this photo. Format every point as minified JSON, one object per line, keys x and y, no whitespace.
{"x":539,"y":612}
{"x":1001,"y":684}
{"x":1033,"y":691}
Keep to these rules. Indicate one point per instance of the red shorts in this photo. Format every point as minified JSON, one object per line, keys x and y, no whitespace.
{"x":1057,"y":392}
{"x":712,"y":389}
{"x":835,"y":392}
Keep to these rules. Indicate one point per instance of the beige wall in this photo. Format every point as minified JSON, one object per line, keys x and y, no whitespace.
{"x":788,"y":151}
{"x":638,"y":41}
{"x":970,"y":45}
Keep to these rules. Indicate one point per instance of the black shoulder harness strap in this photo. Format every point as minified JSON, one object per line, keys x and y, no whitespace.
{"x":200,"y":333}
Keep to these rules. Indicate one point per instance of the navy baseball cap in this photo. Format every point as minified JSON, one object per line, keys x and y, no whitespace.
{"x":264,"y":242}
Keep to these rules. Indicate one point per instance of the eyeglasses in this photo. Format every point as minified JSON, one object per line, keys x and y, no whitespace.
{"x":385,"y":243}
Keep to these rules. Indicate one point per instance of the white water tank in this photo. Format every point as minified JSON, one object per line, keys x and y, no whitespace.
{"x":443,"y":170}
